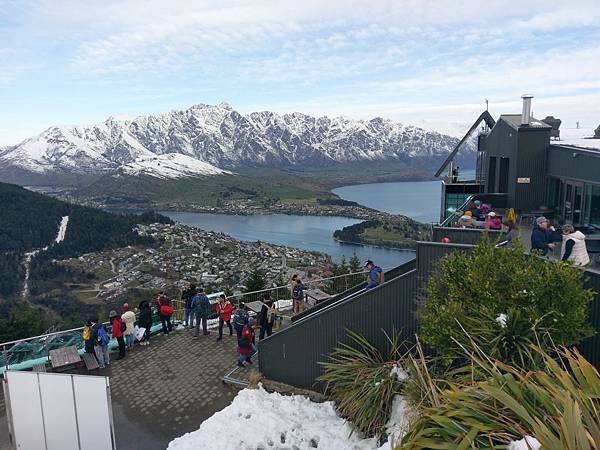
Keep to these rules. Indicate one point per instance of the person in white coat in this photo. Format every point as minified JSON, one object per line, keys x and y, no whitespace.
{"x":573,"y":246}
{"x":128,"y":318}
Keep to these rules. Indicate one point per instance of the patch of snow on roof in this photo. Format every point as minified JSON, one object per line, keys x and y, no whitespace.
{"x":579,"y":137}
{"x":172,"y":165}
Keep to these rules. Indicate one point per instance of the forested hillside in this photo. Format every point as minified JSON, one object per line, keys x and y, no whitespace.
{"x":30,"y":221}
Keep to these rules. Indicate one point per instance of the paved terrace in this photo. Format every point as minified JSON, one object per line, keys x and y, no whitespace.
{"x":164,"y":390}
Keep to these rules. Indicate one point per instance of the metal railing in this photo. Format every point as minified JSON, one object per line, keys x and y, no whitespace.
{"x":23,"y":354}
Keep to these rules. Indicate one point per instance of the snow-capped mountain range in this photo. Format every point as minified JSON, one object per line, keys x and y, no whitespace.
{"x":208,"y":140}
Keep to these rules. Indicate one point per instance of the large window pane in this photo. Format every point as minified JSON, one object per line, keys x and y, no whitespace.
{"x":595,"y":207}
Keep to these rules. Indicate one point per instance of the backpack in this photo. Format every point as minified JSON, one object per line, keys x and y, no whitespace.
{"x":381,"y":277}
{"x":166,"y":310}
{"x":298,"y":293}
{"x":271,"y":312}
{"x":87,"y":334}
{"x":103,"y":337}
{"x":240,"y":318}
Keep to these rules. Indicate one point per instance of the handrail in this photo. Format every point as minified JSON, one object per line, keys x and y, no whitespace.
{"x":58,"y":333}
{"x":448,"y":219}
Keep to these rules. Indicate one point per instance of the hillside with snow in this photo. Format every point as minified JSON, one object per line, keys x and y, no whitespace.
{"x":206,"y":140}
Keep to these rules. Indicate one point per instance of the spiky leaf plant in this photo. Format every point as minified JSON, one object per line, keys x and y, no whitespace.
{"x":559,"y":405}
{"x":363,"y":382}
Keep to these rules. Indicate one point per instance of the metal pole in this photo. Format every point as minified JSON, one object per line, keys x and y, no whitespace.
{"x":5,"y":354}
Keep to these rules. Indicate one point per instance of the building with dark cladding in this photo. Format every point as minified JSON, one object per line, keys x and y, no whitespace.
{"x":520,"y":167}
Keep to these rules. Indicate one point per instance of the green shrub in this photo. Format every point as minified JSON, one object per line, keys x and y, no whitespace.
{"x":363,"y":384}
{"x":544,"y":303}
{"x":559,"y":405}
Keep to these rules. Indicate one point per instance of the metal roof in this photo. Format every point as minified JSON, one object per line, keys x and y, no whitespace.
{"x":514,"y":120}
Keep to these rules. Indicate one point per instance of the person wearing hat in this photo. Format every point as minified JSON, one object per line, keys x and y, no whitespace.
{"x":224,"y":310}
{"x":375,"y":277}
{"x":466,"y":220}
{"x":493,"y":222}
{"x":541,"y":236}
{"x":118,"y":327}
{"x":246,"y":344}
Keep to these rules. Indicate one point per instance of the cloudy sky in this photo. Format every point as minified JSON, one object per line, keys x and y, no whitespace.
{"x":418,"y":61}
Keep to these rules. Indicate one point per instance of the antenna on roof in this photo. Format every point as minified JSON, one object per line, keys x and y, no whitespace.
{"x":487,"y":104}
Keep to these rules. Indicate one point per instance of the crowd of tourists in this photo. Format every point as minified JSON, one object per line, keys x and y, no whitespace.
{"x":126,"y":327}
{"x":544,"y":236}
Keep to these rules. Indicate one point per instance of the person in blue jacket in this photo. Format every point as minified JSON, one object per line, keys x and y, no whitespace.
{"x":200,"y":306}
{"x":542,"y":236}
{"x":375,"y":275}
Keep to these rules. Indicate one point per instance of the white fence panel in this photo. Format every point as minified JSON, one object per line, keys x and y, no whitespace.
{"x":26,"y":408}
{"x":49,"y":411}
{"x":58,"y":406}
{"x":93,"y":412}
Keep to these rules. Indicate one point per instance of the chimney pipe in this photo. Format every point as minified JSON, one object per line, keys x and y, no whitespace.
{"x":526,"y":115}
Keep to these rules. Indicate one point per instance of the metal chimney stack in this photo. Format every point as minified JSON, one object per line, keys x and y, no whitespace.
{"x":526,"y":115}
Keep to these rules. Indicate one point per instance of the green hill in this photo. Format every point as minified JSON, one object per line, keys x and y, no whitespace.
{"x":30,"y":221}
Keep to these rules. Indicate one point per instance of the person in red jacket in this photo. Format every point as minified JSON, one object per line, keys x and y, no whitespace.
{"x":246,"y":344}
{"x":117,"y":331}
{"x":224,"y":311}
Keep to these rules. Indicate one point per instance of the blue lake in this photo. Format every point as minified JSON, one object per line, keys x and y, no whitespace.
{"x":303,"y":232}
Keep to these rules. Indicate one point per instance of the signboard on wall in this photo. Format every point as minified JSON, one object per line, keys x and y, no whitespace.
{"x":51,"y":411}
{"x":523,"y":180}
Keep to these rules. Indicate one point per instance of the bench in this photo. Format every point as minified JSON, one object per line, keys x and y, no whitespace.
{"x":39,"y":368}
{"x":90,"y":361}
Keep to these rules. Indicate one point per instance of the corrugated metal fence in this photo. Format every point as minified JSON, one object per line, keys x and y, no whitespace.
{"x":293,"y":355}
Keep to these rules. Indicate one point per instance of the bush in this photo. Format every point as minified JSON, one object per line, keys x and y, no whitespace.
{"x":559,"y":405}
{"x":505,"y":300}
{"x":364,"y":383}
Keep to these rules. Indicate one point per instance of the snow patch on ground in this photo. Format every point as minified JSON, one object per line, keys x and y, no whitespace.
{"x":171,"y":165}
{"x":258,"y":419}
{"x":62,"y":230}
{"x":527,"y":443}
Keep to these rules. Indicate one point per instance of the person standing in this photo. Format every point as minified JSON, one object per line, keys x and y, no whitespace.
{"x":375,"y":276}
{"x":541,"y":236}
{"x":145,"y":321}
{"x":165,"y":311}
{"x":267,"y":316}
{"x":298,"y":297}
{"x":88,"y":337}
{"x":128,"y":318}
{"x":101,"y":343}
{"x":512,"y":233}
{"x":240,"y":319}
{"x":246,"y":344}
{"x":573,"y":247}
{"x":200,"y":305}
{"x":118,"y":327}
{"x":187,"y":296}
{"x":292,"y":284}
{"x":224,"y":310}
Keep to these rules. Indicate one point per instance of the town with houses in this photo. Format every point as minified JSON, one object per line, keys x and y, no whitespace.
{"x":184,"y":255}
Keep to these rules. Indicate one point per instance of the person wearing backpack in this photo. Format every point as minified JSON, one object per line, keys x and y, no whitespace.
{"x":246,"y":344}
{"x":145,"y":321}
{"x":240,"y":319}
{"x":118,"y":327}
{"x":224,"y":309}
{"x":298,"y":297}
{"x":201,"y":306}
{"x":101,"y":343}
{"x":267,"y":316}
{"x":165,"y":311}
{"x":128,"y":318}
{"x":375,"y":277}
{"x":88,"y":339}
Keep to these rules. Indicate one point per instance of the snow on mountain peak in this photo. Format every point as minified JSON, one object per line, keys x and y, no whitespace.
{"x":212,"y":138}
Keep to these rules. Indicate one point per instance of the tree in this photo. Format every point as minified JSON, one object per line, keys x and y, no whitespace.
{"x":256,"y":281}
{"x":505,"y":300}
